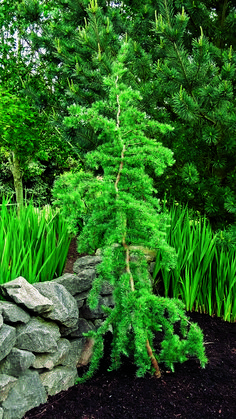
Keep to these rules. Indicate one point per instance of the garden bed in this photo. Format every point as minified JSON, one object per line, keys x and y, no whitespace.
{"x":190,"y":391}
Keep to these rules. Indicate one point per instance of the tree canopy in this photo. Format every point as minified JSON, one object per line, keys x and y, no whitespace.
{"x":181,"y":59}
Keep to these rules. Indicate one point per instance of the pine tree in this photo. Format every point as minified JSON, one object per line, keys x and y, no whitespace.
{"x":185,"y":74}
{"x":217,"y":19}
{"x":198,"y":91}
{"x":124,"y":221}
{"x":76,"y":42}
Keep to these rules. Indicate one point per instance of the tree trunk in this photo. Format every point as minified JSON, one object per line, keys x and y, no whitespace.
{"x":17,"y":176}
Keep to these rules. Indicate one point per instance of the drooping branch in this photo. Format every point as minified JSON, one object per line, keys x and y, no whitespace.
{"x":153,"y":360}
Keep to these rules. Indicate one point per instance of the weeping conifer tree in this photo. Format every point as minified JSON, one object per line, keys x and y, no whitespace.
{"x":125,"y":222}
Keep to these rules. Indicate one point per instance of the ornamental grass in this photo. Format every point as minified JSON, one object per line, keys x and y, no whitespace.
{"x":205,"y":274}
{"x":33,"y":245}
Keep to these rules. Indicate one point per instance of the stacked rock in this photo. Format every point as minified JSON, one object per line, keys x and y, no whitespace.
{"x":41,"y":335}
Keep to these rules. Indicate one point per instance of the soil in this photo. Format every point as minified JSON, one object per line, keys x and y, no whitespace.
{"x":72,"y":256}
{"x":188,"y":392}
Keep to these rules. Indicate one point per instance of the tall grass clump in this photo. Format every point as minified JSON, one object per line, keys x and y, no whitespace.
{"x":33,"y":244}
{"x":205,"y":274}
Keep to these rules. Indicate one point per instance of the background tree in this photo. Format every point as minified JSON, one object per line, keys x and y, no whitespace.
{"x":22,"y":75}
{"x":199,"y":94}
{"x":73,"y":45}
{"x":73,"y":57}
{"x":19,"y":136}
{"x":189,"y":82}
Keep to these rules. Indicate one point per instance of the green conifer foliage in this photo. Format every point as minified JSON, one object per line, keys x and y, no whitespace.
{"x":182,"y":60}
{"x":124,"y":221}
{"x":196,"y":85}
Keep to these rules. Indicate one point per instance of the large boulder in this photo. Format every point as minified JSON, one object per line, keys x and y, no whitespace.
{"x":7,"y":340}
{"x":22,"y":292}
{"x":17,"y":362}
{"x":65,"y":309}
{"x":12,"y":313}
{"x":49,"y":361}
{"x":28,"y":392}
{"x":77,"y":283}
{"x":60,"y":378}
{"x":38,"y":336}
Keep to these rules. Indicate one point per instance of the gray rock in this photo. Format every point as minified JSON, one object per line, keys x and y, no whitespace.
{"x":6,"y":384}
{"x":27,"y":393}
{"x":49,"y":361}
{"x":65,"y":310}
{"x":38,"y":336}
{"x":60,"y":378}
{"x":87,"y":313}
{"x":83,"y":280}
{"x":7,"y":340}
{"x":107,"y":288}
{"x":76,"y":349}
{"x":13,"y":314}
{"x":17,"y":362}
{"x":84,"y":326}
{"x":86,"y":262}
{"x":1,"y":413}
{"x":1,"y":320}
{"x":22,"y":292}
{"x":77,"y":283}
{"x":69,"y":281}
{"x":66,"y":331}
{"x":80,"y":298}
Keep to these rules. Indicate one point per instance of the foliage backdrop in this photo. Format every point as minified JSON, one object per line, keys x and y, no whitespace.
{"x":181,"y":59}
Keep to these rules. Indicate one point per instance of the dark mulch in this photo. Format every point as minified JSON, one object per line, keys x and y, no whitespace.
{"x":72,"y":256}
{"x":190,"y":392}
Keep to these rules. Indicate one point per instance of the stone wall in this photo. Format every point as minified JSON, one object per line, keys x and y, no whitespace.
{"x":41,"y":336}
